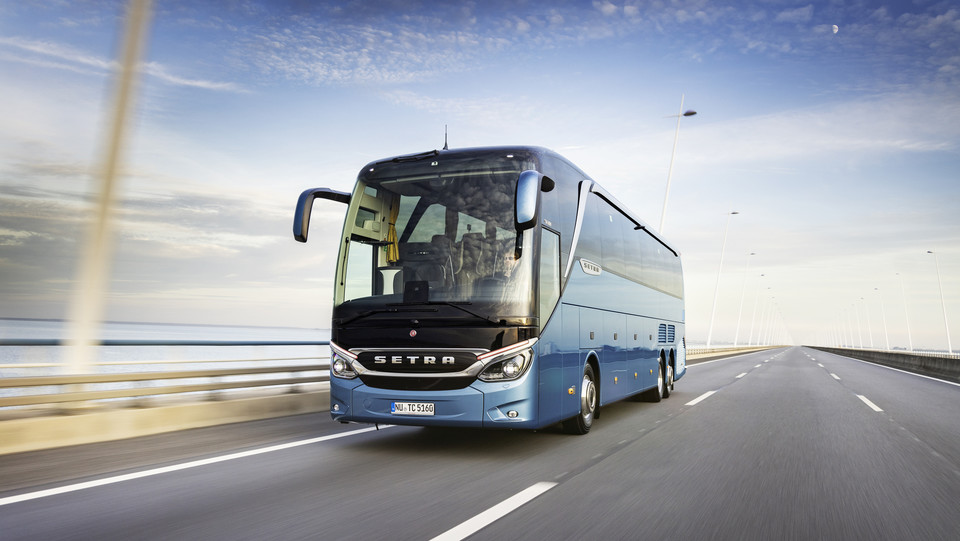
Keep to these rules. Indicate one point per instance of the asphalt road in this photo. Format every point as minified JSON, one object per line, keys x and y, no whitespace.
{"x":784,"y":448}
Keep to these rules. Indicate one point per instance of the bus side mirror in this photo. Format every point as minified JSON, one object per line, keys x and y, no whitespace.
{"x":301,"y":219}
{"x":528,"y":195}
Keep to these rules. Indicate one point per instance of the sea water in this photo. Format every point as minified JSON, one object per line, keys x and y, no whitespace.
{"x":46,"y":360}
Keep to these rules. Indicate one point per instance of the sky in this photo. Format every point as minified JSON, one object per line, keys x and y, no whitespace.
{"x":832,"y":128}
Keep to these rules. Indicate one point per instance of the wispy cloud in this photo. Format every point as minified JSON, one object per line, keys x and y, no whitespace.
{"x":796,"y":15}
{"x":357,"y":44}
{"x":57,"y":51}
{"x":52,"y":55}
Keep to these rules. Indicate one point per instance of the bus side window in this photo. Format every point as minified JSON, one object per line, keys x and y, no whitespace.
{"x":632,"y":250}
{"x":549,"y":274}
{"x":650,"y":273}
{"x":591,"y":233}
{"x":612,"y":247}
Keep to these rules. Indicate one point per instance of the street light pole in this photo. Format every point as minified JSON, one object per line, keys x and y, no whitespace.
{"x":676,"y":137}
{"x":859,"y":331}
{"x":883,"y":314}
{"x":866,"y":314}
{"x":743,"y":292}
{"x":943,"y":304}
{"x":716,"y":291}
{"x":906,"y":313}
{"x":753,"y":318}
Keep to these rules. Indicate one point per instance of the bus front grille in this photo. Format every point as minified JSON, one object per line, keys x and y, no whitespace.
{"x":417,"y":383}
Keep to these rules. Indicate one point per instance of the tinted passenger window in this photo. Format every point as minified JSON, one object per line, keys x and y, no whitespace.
{"x":591,"y":232}
{"x":611,"y":222}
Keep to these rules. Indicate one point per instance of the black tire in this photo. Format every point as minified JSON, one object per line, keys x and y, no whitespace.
{"x":589,"y":404}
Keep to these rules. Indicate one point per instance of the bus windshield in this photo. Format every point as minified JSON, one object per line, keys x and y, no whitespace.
{"x":430,"y":233}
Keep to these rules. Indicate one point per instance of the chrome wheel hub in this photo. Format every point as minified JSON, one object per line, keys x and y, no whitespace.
{"x":588,"y":400}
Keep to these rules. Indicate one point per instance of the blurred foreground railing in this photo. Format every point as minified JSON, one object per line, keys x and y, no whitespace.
{"x":144,"y":387}
{"x":126,"y":379}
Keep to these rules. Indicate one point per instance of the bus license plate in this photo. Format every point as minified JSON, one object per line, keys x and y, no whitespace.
{"x":411,"y":408}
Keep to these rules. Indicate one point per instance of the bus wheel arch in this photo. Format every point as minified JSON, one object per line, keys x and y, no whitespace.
{"x":655,"y":394}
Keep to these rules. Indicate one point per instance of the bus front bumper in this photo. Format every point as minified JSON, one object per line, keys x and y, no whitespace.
{"x":481,"y":405}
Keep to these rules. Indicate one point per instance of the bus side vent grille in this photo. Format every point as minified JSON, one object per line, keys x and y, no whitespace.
{"x":662,"y":333}
{"x":671,"y":333}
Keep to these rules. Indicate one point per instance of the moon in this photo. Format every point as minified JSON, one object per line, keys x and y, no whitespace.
{"x":836,"y":29}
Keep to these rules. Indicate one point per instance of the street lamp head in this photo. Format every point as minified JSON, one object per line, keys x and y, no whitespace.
{"x":929,"y":251}
{"x":691,"y":112}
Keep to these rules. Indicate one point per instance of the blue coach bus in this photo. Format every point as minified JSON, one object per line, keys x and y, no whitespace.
{"x":496,"y":287}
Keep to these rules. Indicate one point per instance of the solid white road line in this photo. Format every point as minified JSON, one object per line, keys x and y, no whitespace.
{"x":700,"y":398}
{"x":176,"y":467}
{"x":473,"y":525}
{"x":867,"y":401}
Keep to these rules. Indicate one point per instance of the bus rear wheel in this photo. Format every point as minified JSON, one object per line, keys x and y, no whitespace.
{"x":589,"y":401}
{"x":668,"y":383}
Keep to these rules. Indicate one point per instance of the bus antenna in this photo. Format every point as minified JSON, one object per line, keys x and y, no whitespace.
{"x":445,"y":147}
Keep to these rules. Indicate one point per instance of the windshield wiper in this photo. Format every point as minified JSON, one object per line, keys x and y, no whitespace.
{"x":380,"y":311}
{"x":459,"y":306}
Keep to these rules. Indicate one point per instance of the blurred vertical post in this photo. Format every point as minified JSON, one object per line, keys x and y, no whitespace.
{"x":89,"y":299}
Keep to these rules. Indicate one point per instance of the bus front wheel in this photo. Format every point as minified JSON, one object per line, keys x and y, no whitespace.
{"x":581,"y":423}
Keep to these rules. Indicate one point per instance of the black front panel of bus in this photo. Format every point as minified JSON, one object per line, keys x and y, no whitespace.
{"x":432,"y":337}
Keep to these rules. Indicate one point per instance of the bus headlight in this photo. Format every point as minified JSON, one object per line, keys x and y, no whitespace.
{"x":340,"y":363}
{"x":512,"y":367}
{"x":342,"y":369}
{"x":508,"y":369}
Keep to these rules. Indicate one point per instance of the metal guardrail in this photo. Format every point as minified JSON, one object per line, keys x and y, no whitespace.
{"x":694,"y":351}
{"x":941,"y":365}
{"x":60,"y":389}
{"x":917,"y":353}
